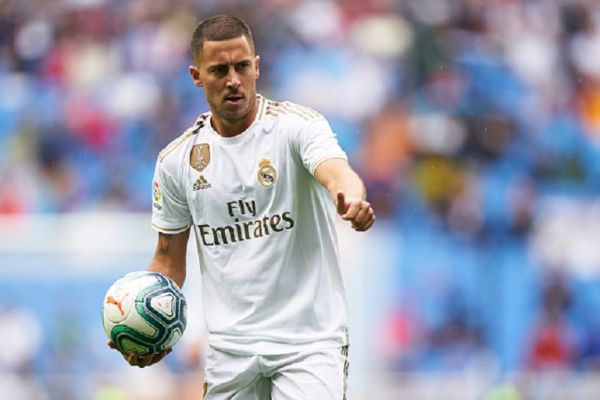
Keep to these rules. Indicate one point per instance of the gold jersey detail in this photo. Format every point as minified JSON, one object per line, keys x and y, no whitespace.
{"x":309,"y":112}
{"x":267,"y":174}
{"x":183,"y":137}
{"x":263,"y":106}
{"x":276,"y":108}
{"x":174,"y":144}
{"x":200,"y":156}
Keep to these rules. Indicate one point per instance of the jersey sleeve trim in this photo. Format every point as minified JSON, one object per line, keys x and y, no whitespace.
{"x":340,"y":156}
{"x":168,"y":230}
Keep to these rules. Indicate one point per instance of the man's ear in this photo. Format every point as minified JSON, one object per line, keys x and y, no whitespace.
{"x":195,"y":73}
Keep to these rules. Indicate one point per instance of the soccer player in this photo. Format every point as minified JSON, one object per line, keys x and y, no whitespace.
{"x":259,"y":182}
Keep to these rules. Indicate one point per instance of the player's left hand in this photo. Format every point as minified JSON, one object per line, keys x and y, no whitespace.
{"x":136,"y":360}
{"x":356,"y":210}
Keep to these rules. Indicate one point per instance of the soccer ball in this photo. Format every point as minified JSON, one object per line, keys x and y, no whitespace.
{"x":144,"y":312}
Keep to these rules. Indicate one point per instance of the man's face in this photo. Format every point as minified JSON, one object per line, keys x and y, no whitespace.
{"x":228,"y":70}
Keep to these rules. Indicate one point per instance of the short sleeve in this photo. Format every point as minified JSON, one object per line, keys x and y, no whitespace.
{"x":170,"y":211}
{"x":316,"y":143}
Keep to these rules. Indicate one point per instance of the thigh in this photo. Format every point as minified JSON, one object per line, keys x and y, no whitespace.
{"x":232,"y":377}
{"x":312,"y":375}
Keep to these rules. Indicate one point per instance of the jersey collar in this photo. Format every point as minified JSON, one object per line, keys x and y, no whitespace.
{"x":254,"y":126}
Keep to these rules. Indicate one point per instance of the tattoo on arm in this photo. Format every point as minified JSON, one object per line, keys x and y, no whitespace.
{"x":164,"y":240}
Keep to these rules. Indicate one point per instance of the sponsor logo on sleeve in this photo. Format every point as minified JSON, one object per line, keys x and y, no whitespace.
{"x":157,"y":197}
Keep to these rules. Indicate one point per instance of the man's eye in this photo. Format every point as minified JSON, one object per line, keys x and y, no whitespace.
{"x":242,"y":66}
{"x":220,"y":70}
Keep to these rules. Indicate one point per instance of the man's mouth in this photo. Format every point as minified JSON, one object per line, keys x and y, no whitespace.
{"x":234,"y":98}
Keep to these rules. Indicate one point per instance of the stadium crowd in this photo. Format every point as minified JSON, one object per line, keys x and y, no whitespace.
{"x":475,"y":124}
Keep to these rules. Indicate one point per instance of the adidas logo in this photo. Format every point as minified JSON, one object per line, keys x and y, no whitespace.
{"x":201,"y":183}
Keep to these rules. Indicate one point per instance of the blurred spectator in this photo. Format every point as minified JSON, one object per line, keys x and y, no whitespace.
{"x":553,"y":345}
{"x":385,"y":157}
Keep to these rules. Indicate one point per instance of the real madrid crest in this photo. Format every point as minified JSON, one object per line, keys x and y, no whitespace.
{"x":200,"y":156}
{"x":267,"y":175}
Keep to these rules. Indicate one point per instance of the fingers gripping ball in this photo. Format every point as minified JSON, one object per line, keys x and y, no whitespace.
{"x":144,"y":312}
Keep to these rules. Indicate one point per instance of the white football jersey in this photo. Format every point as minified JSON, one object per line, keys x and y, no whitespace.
{"x":264,"y":228}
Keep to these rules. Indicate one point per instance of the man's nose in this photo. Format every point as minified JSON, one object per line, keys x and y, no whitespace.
{"x":233,"y":80}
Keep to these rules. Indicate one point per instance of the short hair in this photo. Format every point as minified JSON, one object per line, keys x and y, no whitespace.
{"x":217,"y":28}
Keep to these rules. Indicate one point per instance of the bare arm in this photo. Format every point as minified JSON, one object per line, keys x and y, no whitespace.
{"x":170,"y":256}
{"x":347,"y":191}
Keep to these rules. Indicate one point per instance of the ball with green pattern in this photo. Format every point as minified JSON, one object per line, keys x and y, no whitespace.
{"x":144,"y":312}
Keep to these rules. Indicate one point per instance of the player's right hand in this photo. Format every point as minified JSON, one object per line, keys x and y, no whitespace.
{"x":141,"y":361}
{"x":357,"y":211}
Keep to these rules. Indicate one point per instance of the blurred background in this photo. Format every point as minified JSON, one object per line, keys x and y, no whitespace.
{"x":475,"y":125}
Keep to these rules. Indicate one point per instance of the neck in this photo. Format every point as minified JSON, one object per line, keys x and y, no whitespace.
{"x":229,"y":128}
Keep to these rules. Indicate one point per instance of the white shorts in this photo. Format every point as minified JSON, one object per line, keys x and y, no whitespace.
{"x":306,"y":375}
